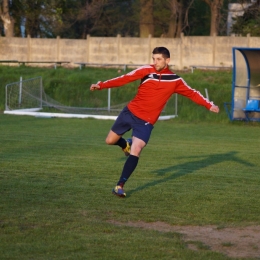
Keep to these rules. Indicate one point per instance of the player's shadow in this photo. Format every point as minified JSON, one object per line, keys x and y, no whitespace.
{"x":193,"y":165}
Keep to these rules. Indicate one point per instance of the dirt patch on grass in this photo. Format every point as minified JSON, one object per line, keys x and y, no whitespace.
{"x":242,"y":242}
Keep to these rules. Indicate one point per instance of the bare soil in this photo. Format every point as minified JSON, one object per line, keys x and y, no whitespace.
{"x":237,"y":242}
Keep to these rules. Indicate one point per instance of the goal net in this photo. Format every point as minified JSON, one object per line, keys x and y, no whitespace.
{"x":27,"y":97}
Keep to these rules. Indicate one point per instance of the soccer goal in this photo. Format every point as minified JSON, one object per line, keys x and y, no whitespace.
{"x":27,"y":97}
{"x":24,"y":95}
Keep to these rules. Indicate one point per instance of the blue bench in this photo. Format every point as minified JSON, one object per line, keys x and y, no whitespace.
{"x":253,"y":105}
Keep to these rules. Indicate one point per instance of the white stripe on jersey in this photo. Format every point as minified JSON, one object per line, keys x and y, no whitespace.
{"x":142,"y":67}
{"x":211,"y":102}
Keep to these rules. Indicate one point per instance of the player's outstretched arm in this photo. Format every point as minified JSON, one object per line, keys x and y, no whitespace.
{"x":214,"y":109}
{"x":94,"y":87}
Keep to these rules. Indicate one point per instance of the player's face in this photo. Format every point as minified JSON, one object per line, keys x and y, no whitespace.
{"x":160,"y":62}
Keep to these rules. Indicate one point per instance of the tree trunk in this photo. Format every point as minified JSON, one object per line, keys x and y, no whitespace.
{"x":215,"y":6}
{"x":214,"y":19}
{"x":172,"y":27}
{"x":173,"y":5}
{"x":146,"y":18}
{"x":8,"y":21}
{"x":180,"y":21}
{"x":176,"y":21}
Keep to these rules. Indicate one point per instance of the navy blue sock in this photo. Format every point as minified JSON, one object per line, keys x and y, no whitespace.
{"x":121,"y":142}
{"x":128,"y":169}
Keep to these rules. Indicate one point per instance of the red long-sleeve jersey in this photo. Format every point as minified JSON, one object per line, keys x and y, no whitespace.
{"x":154,"y":91}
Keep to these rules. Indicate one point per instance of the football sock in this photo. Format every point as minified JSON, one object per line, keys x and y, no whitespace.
{"x":121,"y":142}
{"x":128,"y":169}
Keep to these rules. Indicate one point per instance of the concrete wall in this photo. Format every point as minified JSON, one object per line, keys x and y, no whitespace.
{"x":185,"y":51}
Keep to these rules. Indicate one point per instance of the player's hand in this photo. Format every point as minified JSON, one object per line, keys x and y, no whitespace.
{"x":214,"y":109}
{"x":94,"y":87}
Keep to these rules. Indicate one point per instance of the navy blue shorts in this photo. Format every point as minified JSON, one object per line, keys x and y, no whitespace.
{"x":127,"y":121}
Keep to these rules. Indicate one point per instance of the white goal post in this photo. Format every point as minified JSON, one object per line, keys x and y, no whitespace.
{"x":27,"y":97}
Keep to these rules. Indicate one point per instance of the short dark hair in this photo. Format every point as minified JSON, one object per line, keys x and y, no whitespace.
{"x":162,"y":50}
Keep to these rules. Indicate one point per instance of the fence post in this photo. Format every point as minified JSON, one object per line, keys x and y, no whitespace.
{"x":28,"y":47}
{"x":181,"y":50}
{"x":149,"y":48}
{"x":88,"y":48}
{"x":58,"y":48}
{"x":248,"y":39}
{"x":20,"y":91}
{"x":118,"y":48}
{"x":108,"y":99}
{"x":214,"y":50}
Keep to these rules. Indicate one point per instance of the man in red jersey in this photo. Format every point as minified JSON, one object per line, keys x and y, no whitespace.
{"x":157,"y":85}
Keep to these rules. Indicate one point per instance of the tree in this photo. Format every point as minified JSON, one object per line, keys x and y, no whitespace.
{"x":35,"y":18}
{"x":78,"y":18}
{"x":175,"y":22}
{"x":7,"y":19}
{"x":180,"y":10}
{"x":35,"y":15}
{"x":98,"y":18}
{"x":73,"y":18}
{"x":146,"y":18}
{"x":249,"y":22}
{"x":215,"y":7}
{"x":114,"y":17}
{"x":171,"y":17}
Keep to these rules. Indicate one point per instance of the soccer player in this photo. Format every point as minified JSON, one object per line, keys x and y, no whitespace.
{"x":157,"y":85}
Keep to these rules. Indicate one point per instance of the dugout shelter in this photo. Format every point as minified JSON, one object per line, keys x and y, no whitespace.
{"x":245,"y":103}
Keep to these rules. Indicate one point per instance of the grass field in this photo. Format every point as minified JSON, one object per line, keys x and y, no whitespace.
{"x":56,"y":178}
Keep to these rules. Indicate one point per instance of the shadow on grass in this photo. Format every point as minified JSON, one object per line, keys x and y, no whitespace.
{"x":190,"y":167}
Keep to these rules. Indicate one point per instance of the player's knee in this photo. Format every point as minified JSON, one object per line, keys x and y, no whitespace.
{"x":109,"y":141}
{"x":136,"y":150}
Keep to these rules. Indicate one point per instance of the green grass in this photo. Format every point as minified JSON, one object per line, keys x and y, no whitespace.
{"x":56,"y":178}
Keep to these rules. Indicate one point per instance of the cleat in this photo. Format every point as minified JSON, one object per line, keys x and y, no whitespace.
{"x":128,"y":147}
{"x":118,"y":191}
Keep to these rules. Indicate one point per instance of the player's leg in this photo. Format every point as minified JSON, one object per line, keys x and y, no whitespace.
{"x":141,"y":136}
{"x":137,"y":146}
{"x":121,"y":126}
{"x":115,"y":139}
{"x":112,"y":138}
